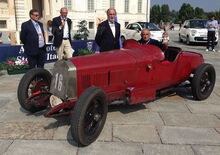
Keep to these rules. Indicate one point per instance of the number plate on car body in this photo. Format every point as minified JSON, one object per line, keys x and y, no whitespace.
{"x":64,"y":82}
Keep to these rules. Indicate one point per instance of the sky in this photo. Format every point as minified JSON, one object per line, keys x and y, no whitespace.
{"x":207,"y":5}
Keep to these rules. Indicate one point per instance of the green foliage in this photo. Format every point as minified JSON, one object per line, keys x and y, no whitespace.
{"x":174,"y":16}
{"x":77,"y":36}
{"x":165,"y":13}
{"x":199,"y":13}
{"x":186,"y":12}
{"x":158,"y":14}
{"x":3,"y":66}
{"x":84,"y":51}
{"x":82,"y":32}
{"x":155,"y":14}
{"x":215,"y":14}
{"x":162,"y":13}
{"x":12,"y":63}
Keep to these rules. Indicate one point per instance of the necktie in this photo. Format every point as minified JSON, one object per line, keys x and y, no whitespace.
{"x":38,"y":27}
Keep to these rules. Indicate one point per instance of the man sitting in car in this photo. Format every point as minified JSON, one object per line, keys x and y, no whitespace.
{"x":146,"y":40}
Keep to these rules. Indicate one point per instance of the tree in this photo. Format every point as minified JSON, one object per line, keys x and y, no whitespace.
{"x":165,"y":13}
{"x":199,"y":13}
{"x":82,"y":32}
{"x":155,"y":14}
{"x":174,"y":16}
{"x":186,"y":12}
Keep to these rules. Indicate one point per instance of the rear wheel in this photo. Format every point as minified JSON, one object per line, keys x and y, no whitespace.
{"x":33,"y":90}
{"x":180,"y":39}
{"x":122,"y":40}
{"x":89,"y":115}
{"x":188,"y":41}
{"x":203,"y":81}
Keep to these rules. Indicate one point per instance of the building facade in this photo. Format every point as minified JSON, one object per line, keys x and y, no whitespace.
{"x":7,"y":15}
{"x":93,"y":11}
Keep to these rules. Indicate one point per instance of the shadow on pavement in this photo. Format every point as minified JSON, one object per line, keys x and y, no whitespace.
{"x":125,"y":108}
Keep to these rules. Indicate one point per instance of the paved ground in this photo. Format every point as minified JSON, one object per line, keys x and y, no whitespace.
{"x":173,"y":125}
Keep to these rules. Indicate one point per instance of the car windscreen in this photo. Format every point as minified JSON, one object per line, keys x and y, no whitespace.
{"x":198,"y":24}
{"x":150,"y":26}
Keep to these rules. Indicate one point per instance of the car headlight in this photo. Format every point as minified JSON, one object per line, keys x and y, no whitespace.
{"x":193,"y":32}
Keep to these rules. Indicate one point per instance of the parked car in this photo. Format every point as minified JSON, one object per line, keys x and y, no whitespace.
{"x":133,"y":31}
{"x":194,"y":31}
{"x":84,"y":86}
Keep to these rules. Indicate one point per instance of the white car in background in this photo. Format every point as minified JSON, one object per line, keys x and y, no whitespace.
{"x":194,"y":31}
{"x":133,"y":31}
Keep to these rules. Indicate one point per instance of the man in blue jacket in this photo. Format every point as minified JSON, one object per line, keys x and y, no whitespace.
{"x":32,"y":36}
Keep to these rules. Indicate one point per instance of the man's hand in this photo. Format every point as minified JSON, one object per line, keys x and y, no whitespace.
{"x":165,"y":38}
{"x":62,"y":24}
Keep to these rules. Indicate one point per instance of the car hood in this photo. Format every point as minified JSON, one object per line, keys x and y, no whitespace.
{"x":157,"y":35}
{"x":199,"y":29}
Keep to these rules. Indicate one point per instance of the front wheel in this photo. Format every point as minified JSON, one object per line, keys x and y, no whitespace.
{"x":33,"y":90}
{"x":188,"y":41}
{"x":203,"y":81}
{"x":89,"y":115}
{"x":180,"y":39}
{"x":122,"y":40}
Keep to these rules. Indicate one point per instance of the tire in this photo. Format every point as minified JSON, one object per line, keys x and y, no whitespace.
{"x":91,"y":109}
{"x":42,"y":80}
{"x":180,"y":39}
{"x":188,"y":41}
{"x":122,"y":40}
{"x":203,"y":82}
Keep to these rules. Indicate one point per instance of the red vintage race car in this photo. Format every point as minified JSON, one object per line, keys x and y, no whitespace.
{"x":83,"y":87}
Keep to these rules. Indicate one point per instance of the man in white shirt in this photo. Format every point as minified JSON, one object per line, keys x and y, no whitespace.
{"x":212,"y":26}
{"x":61,"y":29}
{"x":108,"y":32}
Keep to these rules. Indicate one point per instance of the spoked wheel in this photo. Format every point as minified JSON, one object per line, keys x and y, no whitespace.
{"x":203,"y":81}
{"x":89,"y":115}
{"x":33,"y":90}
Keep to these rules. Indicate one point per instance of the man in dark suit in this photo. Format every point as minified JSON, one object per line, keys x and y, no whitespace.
{"x":61,"y":29}
{"x":108,"y":33}
{"x":32,"y":36}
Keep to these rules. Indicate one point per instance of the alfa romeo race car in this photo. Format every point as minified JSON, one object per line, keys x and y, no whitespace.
{"x":84,"y":86}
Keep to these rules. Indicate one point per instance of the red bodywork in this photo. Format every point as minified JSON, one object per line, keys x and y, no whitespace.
{"x":136,"y":72}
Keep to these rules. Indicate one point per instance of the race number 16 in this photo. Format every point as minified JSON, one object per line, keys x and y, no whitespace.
{"x":58,"y":81}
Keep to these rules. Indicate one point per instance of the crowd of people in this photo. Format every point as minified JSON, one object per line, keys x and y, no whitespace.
{"x":59,"y":33}
{"x":107,"y":36}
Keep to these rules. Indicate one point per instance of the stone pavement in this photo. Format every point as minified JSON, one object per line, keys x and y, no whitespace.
{"x":173,"y":125}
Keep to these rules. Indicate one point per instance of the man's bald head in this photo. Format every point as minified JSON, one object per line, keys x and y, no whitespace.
{"x":145,"y":34}
{"x":63,"y":12}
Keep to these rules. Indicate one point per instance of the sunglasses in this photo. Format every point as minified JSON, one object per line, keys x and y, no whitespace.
{"x":36,"y":15}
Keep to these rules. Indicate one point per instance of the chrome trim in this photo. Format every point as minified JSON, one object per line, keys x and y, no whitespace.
{"x":72,"y":85}
{"x":68,"y":88}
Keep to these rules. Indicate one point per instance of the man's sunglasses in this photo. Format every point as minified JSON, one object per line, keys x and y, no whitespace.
{"x":35,"y":15}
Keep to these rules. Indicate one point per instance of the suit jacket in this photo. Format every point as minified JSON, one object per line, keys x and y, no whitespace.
{"x":29,"y":37}
{"x":104,"y":37}
{"x":58,"y":33}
